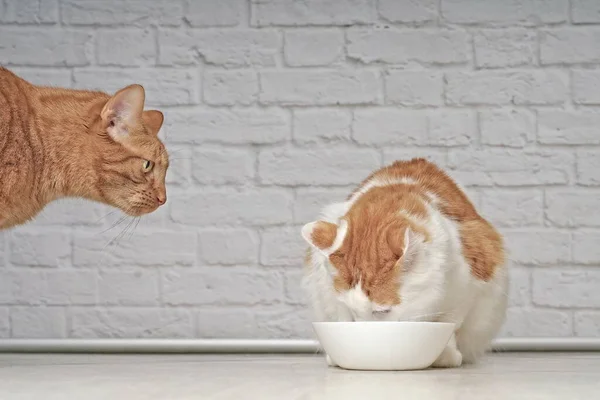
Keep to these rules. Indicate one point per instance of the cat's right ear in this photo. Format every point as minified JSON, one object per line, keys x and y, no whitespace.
{"x":123,"y":110}
{"x":322,"y":235}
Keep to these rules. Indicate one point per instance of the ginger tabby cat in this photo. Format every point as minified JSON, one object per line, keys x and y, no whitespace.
{"x":57,"y":143}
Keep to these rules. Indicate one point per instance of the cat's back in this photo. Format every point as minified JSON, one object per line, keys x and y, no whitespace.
{"x":14,"y":95}
{"x":430,"y":179}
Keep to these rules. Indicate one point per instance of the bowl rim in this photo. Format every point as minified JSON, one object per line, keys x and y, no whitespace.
{"x":396,"y":323}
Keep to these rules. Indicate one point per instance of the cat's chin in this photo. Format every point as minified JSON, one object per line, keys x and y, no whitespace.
{"x":138,"y":211}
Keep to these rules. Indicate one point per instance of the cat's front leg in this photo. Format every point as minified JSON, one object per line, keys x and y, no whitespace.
{"x":451,"y":357}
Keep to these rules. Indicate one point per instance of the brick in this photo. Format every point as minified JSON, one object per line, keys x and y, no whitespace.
{"x":223,"y":166}
{"x":315,"y":125}
{"x":228,"y":48}
{"x":505,"y":48}
{"x":118,"y":12}
{"x":44,"y":249}
{"x":225,"y":207}
{"x":125,"y":47}
{"x":451,"y":128}
{"x":4,"y":321}
{"x":43,"y":47}
{"x":585,"y":11}
{"x":408,"y":46}
{"x":587,"y":323}
{"x":2,"y":249}
{"x":309,"y":202}
{"x":507,"y":128}
{"x":519,"y":292}
{"x":537,"y":323}
{"x":506,"y":88}
{"x":292,"y":323}
{"x":180,"y":167}
{"x":315,"y":47}
{"x":585,"y":248}
{"x":568,"y":127}
{"x":508,"y":208}
{"x":30,"y":12}
{"x":128,"y":288}
{"x":436,"y":156}
{"x":538,"y":247}
{"x":70,"y":288}
{"x":509,"y":12}
{"x":21,"y":287}
{"x":586,"y":87}
{"x":71,"y":212}
{"x":414,"y":88}
{"x":566,"y":287}
{"x":572,"y":208}
{"x":44,"y":76}
{"x":569,"y":46}
{"x":253,"y":126}
{"x":385,"y":126}
{"x":205,"y":13}
{"x":228,"y":246}
{"x":251,"y":287}
{"x":38,"y":322}
{"x":588,"y":168}
{"x":282,"y":246}
{"x":408,"y":11}
{"x":124,"y":322}
{"x":141,"y":248}
{"x":56,"y":287}
{"x":257,"y":323}
{"x":316,"y":167}
{"x":312,"y":12}
{"x":294,"y":291}
{"x":329,"y":87}
{"x":163,"y":86}
{"x":507,"y":167}
{"x":230,"y":87}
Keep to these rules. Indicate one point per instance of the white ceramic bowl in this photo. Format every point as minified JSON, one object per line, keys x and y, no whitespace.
{"x":379,"y":345}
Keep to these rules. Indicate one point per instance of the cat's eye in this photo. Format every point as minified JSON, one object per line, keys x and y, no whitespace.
{"x":148,"y":165}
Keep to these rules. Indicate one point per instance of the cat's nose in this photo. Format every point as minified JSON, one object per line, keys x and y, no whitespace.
{"x":162,"y":199}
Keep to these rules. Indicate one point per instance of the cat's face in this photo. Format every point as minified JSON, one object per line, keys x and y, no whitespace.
{"x":369,"y":251}
{"x":131,"y":161}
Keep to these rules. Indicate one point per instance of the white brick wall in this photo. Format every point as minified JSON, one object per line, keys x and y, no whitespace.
{"x":275,"y":107}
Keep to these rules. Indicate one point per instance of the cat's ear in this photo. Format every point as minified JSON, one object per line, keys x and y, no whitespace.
{"x":412,"y":243}
{"x":153,"y":120}
{"x":405,"y":243}
{"x":320,"y":234}
{"x":123,"y":110}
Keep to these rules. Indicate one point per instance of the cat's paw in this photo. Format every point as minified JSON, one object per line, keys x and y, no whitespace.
{"x":330,"y":361}
{"x":450,"y":358}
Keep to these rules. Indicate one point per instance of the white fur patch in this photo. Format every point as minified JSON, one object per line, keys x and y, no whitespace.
{"x":339,"y":238}
{"x":379,"y":182}
{"x":307,"y":231}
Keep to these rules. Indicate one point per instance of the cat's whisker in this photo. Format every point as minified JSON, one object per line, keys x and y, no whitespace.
{"x":137,"y":222}
{"x":115,"y":224}
{"x":106,"y":216}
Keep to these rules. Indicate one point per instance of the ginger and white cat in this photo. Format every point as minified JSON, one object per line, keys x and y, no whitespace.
{"x":408,"y":245}
{"x":57,"y":143}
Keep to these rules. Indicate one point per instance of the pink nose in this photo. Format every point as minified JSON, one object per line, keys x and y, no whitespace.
{"x":161,"y":199}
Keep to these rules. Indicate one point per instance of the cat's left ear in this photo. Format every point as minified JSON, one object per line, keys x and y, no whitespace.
{"x":153,"y":120}
{"x":324,"y":235}
{"x":123,"y":110}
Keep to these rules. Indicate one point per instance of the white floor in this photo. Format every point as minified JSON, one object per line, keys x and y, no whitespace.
{"x":511,"y":376}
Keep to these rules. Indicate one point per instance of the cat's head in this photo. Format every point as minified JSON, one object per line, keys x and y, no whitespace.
{"x":131,"y":161}
{"x":370,"y":251}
